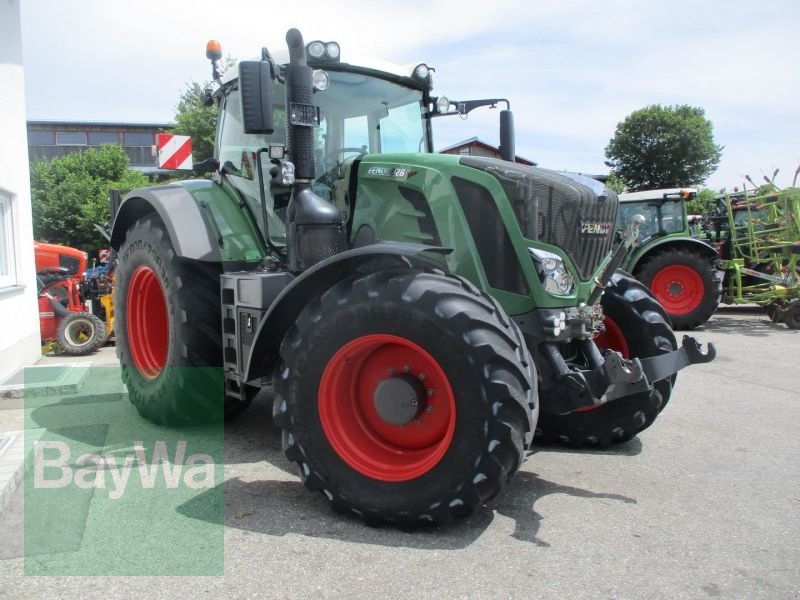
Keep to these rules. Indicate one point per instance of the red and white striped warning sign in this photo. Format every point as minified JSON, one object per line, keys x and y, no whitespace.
{"x":174,"y":151}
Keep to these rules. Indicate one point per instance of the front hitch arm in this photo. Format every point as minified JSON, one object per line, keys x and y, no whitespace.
{"x":690,"y":353}
{"x":617,"y":377}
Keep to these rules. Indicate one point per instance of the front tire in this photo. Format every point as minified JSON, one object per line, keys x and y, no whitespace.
{"x":636,"y":326}
{"x":406,"y":397}
{"x":685,"y":283}
{"x":168,"y":324}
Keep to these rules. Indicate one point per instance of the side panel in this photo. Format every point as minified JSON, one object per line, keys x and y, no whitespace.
{"x":203,"y":221}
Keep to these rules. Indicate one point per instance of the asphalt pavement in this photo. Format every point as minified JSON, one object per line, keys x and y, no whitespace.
{"x":704,"y":504}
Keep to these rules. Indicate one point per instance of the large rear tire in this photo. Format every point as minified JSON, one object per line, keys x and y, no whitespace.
{"x":636,"y":326}
{"x":80,"y":333}
{"x":685,"y":283}
{"x":168,"y":325}
{"x":405,"y":396}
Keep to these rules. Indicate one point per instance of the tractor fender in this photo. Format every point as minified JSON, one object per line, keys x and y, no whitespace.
{"x":688,"y":243}
{"x":313,"y":282}
{"x":191,"y":233}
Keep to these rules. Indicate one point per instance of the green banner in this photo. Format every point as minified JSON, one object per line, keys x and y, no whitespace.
{"x":107,"y":492}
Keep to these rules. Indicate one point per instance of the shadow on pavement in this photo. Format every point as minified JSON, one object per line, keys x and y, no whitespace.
{"x":630,"y":448}
{"x":753,"y":324}
{"x":279,"y":508}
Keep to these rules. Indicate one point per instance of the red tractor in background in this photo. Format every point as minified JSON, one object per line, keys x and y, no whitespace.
{"x":63,"y":318}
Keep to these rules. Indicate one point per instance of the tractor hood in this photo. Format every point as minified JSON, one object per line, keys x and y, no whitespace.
{"x":569,"y":211}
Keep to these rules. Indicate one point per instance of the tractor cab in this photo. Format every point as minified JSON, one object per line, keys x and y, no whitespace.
{"x":364,"y":107}
{"x":664,"y":211}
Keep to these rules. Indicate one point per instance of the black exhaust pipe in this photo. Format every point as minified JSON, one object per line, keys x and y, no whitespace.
{"x":315,"y":228}
{"x":299,"y":92}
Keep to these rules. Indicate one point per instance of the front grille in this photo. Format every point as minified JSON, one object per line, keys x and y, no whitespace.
{"x":491,"y":237}
{"x":573,"y":213}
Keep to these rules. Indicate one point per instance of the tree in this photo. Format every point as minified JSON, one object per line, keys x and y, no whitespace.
{"x":197,"y":118}
{"x":614,"y":183}
{"x":662,"y":147}
{"x":70,"y":194}
{"x":702,"y":203}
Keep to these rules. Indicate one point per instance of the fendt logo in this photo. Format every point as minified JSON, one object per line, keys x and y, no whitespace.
{"x":596,"y":228}
{"x":393,"y":172}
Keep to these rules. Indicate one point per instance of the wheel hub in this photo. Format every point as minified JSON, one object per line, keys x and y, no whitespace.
{"x":675,"y":289}
{"x":398,"y":400}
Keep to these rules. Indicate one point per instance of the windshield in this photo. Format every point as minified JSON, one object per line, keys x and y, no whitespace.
{"x":359,"y":112}
{"x":660,"y":218}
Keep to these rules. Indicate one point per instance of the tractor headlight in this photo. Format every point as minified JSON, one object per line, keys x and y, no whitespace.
{"x":321,"y":80}
{"x":324,"y":51}
{"x":552,"y":272}
{"x":316,"y":49}
{"x":423,"y":73}
{"x":332,"y":50}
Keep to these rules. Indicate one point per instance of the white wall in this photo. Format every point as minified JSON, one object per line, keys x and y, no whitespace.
{"x":19,"y":315}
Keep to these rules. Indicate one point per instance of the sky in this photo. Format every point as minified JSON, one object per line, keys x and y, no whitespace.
{"x":572,"y":69}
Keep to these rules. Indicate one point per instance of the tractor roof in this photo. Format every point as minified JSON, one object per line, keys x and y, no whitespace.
{"x":357,"y":62}
{"x":656,"y":194}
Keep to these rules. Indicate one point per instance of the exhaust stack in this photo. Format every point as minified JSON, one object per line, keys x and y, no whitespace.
{"x":315,"y":229}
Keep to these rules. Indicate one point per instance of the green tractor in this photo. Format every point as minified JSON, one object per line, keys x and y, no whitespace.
{"x":679,"y":270}
{"x":415,"y":314}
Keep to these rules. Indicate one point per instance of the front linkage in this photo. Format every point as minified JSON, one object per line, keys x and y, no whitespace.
{"x":612,"y":377}
{"x":602,"y":375}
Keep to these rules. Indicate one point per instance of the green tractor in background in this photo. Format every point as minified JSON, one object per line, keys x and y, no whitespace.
{"x":744,"y":252}
{"x":678,"y":268}
{"x":419,"y":317}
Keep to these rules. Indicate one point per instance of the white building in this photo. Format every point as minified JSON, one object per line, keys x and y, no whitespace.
{"x":19,"y":315}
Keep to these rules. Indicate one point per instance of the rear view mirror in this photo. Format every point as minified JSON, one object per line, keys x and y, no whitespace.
{"x":507,"y":150}
{"x":255,"y":90}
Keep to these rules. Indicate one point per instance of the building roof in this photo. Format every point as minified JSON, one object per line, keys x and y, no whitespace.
{"x":73,"y":122}
{"x":477,"y":141}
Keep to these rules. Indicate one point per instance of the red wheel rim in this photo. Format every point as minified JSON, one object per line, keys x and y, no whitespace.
{"x":148,"y":325}
{"x":678,"y":288}
{"x":359,"y":435}
{"x":613,"y":338}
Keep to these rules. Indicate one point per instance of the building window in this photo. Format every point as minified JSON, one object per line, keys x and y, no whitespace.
{"x":464,"y":151}
{"x":71,"y":138}
{"x":138,"y":139}
{"x":8,"y":260}
{"x":40,"y":138}
{"x":98,"y":138}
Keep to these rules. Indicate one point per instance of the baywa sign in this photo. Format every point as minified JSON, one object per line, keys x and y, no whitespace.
{"x":90,"y":470}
